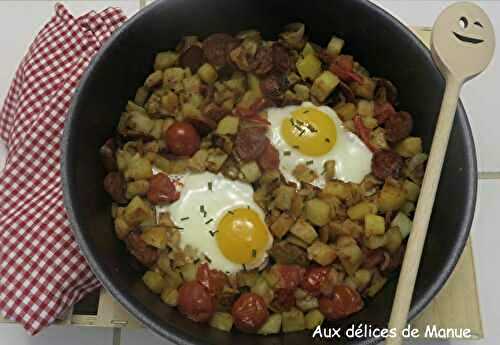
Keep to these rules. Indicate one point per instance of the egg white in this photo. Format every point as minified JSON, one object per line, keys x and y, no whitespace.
{"x":352,"y":157}
{"x":204,"y":200}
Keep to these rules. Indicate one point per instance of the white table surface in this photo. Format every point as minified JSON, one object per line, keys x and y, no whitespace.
{"x":20,"y":20}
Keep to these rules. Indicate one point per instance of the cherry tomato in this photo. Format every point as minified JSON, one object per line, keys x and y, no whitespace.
{"x":344,"y":302}
{"x":313,"y":279}
{"x":290,"y":276}
{"x":182,"y":139}
{"x":212,"y":280}
{"x":162,"y":190}
{"x":249,"y":312}
{"x":195,"y":302}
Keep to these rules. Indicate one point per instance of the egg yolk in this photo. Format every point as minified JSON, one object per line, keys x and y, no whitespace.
{"x":242,"y":235}
{"x":310,"y":131}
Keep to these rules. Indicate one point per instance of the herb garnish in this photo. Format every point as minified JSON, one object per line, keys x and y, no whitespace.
{"x":210,"y":185}
{"x":209,"y":221}
{"x":184,"y":218}
{"x":254,"y":253}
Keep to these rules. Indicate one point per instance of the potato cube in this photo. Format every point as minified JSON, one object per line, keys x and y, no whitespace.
{"x":322,"y":253}
{"x":350,"y":256}
{"x":335,"y":45}
{"x":301,"y":92}
{"x":409,"y":147}
{"x":156,"y":237}
{"x":376,"y":241}
{"x":402,"y":222}
{"x":377,"y":284}
{"x":339,"y":189}
{"x":172,"y":77}
{"x":314,"y":318}
{"x":198,"y":162}
{"x":324,"y":85}
{"x":362,"y":278}
{"x":283,"y":197}
{"x":135,"y":188}
{"x":154,"y":281}
{"x":169,"y":296}
{"x":165,"y":59}
{"x":394,"y":239}
{"x":365,"y":89}
{"x":307,"y":303}
{"x":317,"y":212}
{"x":366,"y":108}
{"x":346,"y":111}
{"x":122,"y":229}
{"x":391,"y":197}
{"x":272,"y":325}
{"x":262,"y":289}
{"x":308,"y":49}
{"x":154,"y":79}
{"x":369,"y":122}
{"x":170,"y":102}
{"x":412,"y":190}
{"x":222,"y":321}
{"x":137,"y":212}
{"x":374,"y":225}
{"x":138,"y":168}
{"x":304,"y":230}
{"x":254,"y":84}
{"x":247,"y":278}
{"x":360,"y":210}
{"x":208,"y":73}
{"x":282,"y":225}
{"x":228,"y":125}
{"x":309,"y":67}
{"x":216,"y":158}
{"x":250,"y":172}
{"x":303,"y":174}
{"x":293,"y":321}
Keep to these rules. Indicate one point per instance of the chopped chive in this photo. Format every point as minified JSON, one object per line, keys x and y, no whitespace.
{"x":327,"y":140}
{"x":212,"y":233}
{"x":196,"y":260}
{"x":210,"y":185}
{"x":182,"y":276}
{"x":208,"y":259}
{"x":254,"y":253}
{"x":309,"y":162}
{"x":209,"y":221}
{"x":296,"y":147}
{"x":178,"y":228}
{"x":306,"y":111}
{"x":230,"y":212}
{"x":287,"y":153}
{"x":202,"y":210}
{"x":244,"y":267}
{"x":184,"y":218}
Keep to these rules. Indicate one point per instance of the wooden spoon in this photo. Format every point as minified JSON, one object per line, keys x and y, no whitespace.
{"x":463,"y":43}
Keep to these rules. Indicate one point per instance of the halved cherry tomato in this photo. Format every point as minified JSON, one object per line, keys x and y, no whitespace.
{"x":290,"y":276}
{"x":249,"y":312}
{"x":162,"y":190}
{"x":313,"y":279}
{"x":182,"y":139}
{"x":345,"y":301}
{"x":195,"y":302}
{"x":212,"y":280}
{"x":342,"y":68}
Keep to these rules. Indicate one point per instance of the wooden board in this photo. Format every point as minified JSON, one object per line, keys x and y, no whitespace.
{"x":456,"y":305}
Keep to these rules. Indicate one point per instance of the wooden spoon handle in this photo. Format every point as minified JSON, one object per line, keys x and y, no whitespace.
{"x":411,"y":262}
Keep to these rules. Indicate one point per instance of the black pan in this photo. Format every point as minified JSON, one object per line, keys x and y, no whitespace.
{"x":381,"y":43}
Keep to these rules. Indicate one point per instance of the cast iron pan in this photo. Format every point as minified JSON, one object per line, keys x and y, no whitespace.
{"x":385,"y":46}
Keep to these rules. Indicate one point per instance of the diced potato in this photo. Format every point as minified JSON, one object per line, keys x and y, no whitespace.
{"x":171,"y":166}
{"x":376,"y":241}
{"x":165,"y":60}
{"x":139,"y":187}
{"x":297,"y":205}
{"x":377,"y":284}
{"x":198,"y":162}
{"x":247,"y":278}
{"x":138,"y":168}
{"x":154,"y":281}
{"x":228,"y":125}
{"x":394,"y":239}
{"x":337,"y":189}
{"x":283,"y":197}
{"x":293,"y":321}
{"x":188,"y":271}
{"x":254,"y":84}
{"x":208,"y":73}
{"x":169,"y":296}
{"x":324,"y":85}
{"x":307,"y":303}
{"x":346,"y":111}
{"x":314,"y":318}
{"x":138,"y":123}
{"x":301,"y":91}
{"x":391,"y":197}
{"x":409,"y":147}
{"x":170,"y":102}
{"x":329,"y":170}
{"x":172,"y":279}
{"x":322,"y":253}
{"x":366,"y":89}
{"x":262,"y":289}
{"x":292,"y":239}
{"x":282,"y":225}
{"x":304,"y":230}
{"x":250,"y":172}
{"x":156,"y":237}
{"x":309,"y":67}
{"x":271,"y":277}
{"x":350,"y":256}
{"x":222,"y":321}
{"x":362,"y":278}
{"x":317,"y":211}
{"x":138,"y":212}
{"x":272,"y":325}
{"x":335,"y":45}
{"x":303,"y":174}
{"x":359,"y":211}
{"x":172,"y":77}
{"x":122,"y":229}
{"x":408,"y":208}
{"x":366,"y":108}
{"x":141,"y":96}
{"x":157,"y":130}
{"x":369,"y":122}
{"x":412,"y":190}
{"x":163,"y":262}
{"x":190,"y":110}
{"x":378,"y":140}
{"x":374,"y":225}
{"x":215,"y":160}
{"x":154,"y":79}
{"x":403,"y":223}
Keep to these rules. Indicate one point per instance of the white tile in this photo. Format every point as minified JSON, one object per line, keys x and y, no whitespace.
{"x":13,"y":334}
{"x":134,"y":337}
{"x":21,"y":20}
{"x":480,"y":96}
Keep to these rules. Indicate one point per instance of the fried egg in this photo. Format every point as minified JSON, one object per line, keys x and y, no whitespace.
{"x":312,"y":135}
{"x":219,"y":218}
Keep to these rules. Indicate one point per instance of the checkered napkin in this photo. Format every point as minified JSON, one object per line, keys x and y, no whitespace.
{"x":42,"y":271}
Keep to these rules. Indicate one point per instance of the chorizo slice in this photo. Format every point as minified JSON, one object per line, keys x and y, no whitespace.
{"x":264,"y":58}
{"x":216,"y":48}
{"x":281,"y":60}
{"x":192,"y":58}
{"x":398,"y":126}
{"x":273,"y":87}
{"x":270,"y":158}
{"x":251,"y":142}
{"x":115,"y":185}
{"x":386,"y":163}
{"x":144,"y":253}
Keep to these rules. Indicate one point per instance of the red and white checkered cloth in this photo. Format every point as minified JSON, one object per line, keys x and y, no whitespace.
{"x":42,"y":271}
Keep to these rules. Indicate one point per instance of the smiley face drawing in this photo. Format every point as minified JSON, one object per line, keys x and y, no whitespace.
{"x":466,"y":33}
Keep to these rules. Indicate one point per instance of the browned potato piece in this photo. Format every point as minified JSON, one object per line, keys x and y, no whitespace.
{"x":304,"y":230}
{"x":391,"y":197}
{"x":283,"y":197}
{"x":155,"y":236}
{"x":322,"y":253}
{"x":350,"y":256}
{"x":303,"y":174}
{"x":137,"y":212}
{"x":317,"y":211}
{"x":282,"y":225}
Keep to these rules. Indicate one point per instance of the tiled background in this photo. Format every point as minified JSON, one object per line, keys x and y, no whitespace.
{"x":21,"y":19}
